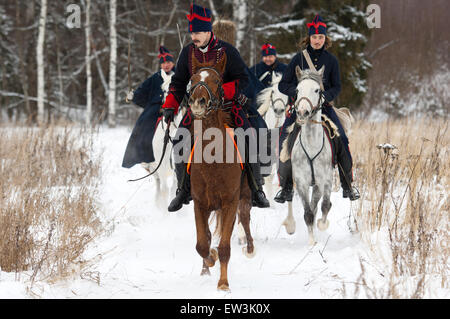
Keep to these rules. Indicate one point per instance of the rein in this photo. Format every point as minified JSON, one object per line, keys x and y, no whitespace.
{"x":314,"y":110}
{"x":272,"y":103}
{"x":310,"y":160}
{"x":166,"y":141}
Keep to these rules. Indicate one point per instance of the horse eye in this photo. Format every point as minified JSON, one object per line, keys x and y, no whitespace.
{"x":317,"y":91}
{"x":202,"y":101}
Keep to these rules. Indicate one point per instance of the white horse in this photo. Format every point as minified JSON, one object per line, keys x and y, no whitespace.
{"x":272,"y":107}
{"x":272,"y":103}
{"x":165,"y":171}
{"x":311,"y":155}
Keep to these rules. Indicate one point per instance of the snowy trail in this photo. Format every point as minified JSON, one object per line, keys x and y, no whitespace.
{"x":151,"y":253}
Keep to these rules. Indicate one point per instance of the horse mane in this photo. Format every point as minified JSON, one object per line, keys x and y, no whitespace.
{"x":263,"y":98}
{"x":167,"y":78}
{"x":224,"y":118}
{"x":311,"y":75}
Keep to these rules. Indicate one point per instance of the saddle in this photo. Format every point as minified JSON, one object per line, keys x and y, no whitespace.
{"x":331,"y":132}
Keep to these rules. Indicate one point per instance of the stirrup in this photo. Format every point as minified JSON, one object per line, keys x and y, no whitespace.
{"x":283,"y":195}
{"x":352,"y":193}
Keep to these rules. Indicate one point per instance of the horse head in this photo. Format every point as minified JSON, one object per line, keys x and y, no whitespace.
{"x":272,"y":99}
{"x":278,"y":100}
{"x":309,"y":95}
{"x":206,"y":91}
{"x":166,"y":83}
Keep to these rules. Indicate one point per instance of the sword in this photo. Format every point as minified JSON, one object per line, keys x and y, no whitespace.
{"x":129,"y":68}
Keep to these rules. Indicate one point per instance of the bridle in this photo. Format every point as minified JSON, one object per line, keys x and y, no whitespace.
{"x":314,"y":108}
{"x":272,"y":103}
{"x":214,"y":102}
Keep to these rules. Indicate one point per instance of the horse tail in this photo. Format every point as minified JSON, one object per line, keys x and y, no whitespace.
{"x":345,"y":117}
{"x":218,"y":216}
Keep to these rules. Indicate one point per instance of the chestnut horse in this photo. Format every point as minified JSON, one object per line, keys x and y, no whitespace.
{"x":219,"y":186}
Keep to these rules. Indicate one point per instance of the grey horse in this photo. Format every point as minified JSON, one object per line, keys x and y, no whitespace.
{"x":311,"y":155}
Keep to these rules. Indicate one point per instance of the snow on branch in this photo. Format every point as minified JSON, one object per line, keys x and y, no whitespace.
{"x":283,"y":25}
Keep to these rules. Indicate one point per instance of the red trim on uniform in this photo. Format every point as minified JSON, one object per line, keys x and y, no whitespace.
{"x":171,"y":103}
{"x":193,"y":16}
{"x":157,"y":122}
{"x":316,"y":25}
{"x":266,"y":47}
{"x":229,"y":90}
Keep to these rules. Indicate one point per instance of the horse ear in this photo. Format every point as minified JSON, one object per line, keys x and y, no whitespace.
{"x":321,"y":71}
{"x":298,"y":72}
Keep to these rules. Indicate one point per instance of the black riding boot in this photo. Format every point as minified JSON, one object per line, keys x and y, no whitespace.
{"x":255,"y":181}
{"x":285,"y":175}
{"x":345,"y":171}
{"x":184,"y":188}
{"x":266,"y":168}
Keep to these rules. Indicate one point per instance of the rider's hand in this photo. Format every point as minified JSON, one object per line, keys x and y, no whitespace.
{"x":292,"y":99}
{"x":168,"y":114}
{"x":129,"y":96}
{"x":242,"y":100}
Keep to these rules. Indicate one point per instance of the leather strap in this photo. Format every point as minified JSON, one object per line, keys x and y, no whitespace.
{"x":311,"y":65}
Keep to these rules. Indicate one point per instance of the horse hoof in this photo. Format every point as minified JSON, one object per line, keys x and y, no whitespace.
{"x":248,"y":254}
{"x":242,"y":241}
{"x":214,"y":254}
{"x":223,"y":287}
{"x":210,"y":261}
{"x":290,"y":227}
{"x":205,"y":271}
{"x":323,"y":225}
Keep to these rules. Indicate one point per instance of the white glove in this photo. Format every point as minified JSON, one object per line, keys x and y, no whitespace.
{"x":130,"y":96}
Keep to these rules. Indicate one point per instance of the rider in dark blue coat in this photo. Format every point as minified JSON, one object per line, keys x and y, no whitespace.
{"x":207,"y":48}
{"x":316,"y":43}
{"x":150,"y":97}
{"x":263,"y":71}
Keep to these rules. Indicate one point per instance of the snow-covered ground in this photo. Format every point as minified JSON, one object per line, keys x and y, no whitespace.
{"x":150,"y":253}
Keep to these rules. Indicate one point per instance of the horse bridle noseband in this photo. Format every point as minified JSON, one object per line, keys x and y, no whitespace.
{"x":316,"y":108}
{"x":272,"y":102}
{"x":214,"y":102}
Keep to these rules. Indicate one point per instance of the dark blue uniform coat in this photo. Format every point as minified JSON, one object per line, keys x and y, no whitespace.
{"x":331,"y":83}
{"x":259,"y":69}
{"x":149,"y":96}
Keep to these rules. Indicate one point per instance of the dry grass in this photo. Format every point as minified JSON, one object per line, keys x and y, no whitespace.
{"x":48,"y":214}
{"x":404,"y":202}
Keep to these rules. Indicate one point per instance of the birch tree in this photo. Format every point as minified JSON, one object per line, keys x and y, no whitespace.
{"x":112,"y":65}
{"x":40,"y":61}
{"x":240,"y":17}
{"x":88,"y":64}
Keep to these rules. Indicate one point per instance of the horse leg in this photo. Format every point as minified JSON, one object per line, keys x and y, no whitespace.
{"x":308,"y":212}
{"x":244,"y":217}
{"x":242,"y":240}
{"x":315,"y":198}
{"x":323,"y":223}
{"x":289,"y":222}
{"x":228,"y":219}
{"x":213,"y":254}
{"x":204,"y":239}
